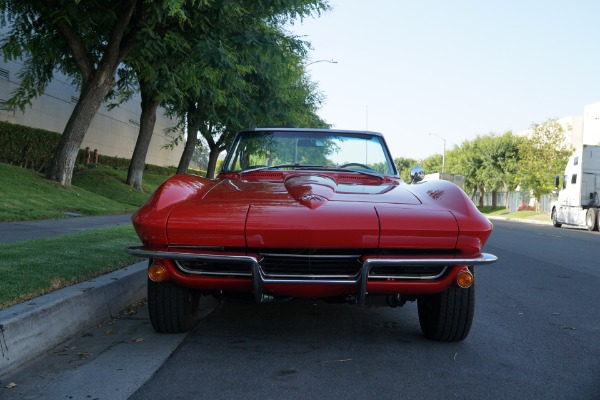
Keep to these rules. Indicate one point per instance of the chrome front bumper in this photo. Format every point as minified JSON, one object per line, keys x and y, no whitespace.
{"x":259,"y":277}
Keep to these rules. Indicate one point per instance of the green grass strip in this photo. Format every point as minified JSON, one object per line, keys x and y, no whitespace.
{"x":27,"y":195}
{"x":35,"y":267}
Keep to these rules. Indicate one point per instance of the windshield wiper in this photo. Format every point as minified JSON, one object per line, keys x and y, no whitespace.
{"x":317,"y":167}
{"x":267,"y":167}
{"x":358,"y":171}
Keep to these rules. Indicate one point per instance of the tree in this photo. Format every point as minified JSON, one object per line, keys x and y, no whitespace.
{"x":84,"y":40}
{"x":467,"y":160}
{"x":499,"y":158}
{"x":89,"y":41}
{"x":256,"y":80}
{"x":153,"y":68}
{"x":432,"y":164}
{"x":543,"y":155}
{"x":404,"y":165}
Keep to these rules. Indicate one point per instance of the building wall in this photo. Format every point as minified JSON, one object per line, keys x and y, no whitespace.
{"x":591,"y":121}
{"x":583,"y":129}
{"x":112,"y":133}
{"x":573,"y":127}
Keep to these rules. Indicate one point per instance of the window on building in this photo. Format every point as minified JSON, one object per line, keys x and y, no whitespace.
{"x":574,"y":178}
{"x":564,"y":182}
{"x":576,"y":161}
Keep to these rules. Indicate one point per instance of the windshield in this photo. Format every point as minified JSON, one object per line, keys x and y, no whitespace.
{"x":309,"y":149}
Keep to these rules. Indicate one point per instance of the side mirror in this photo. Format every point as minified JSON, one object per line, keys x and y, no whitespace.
{"x":417,"y":174}
{"x":556,"y":181}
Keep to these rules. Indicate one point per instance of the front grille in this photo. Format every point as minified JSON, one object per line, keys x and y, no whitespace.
{"x":310,"y":266}
{"x":215,"y":268}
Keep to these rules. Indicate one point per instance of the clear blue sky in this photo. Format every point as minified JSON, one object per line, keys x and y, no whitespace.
{"x":457,"y":69}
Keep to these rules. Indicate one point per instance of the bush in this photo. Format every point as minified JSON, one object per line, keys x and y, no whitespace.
{"x":27,"y":147}
{"x":34,"y":148}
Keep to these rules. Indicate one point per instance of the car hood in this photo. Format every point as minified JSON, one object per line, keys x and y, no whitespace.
{"x":310,"y":211}
{"x":311,"y":191}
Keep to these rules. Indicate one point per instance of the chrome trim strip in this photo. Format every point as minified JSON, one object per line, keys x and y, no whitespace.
{"x":139,"y":251}
{"x":348,"y":256}
{"x":211,"y":273}
{"x":420,"y":277}
{"x":309,"y":276}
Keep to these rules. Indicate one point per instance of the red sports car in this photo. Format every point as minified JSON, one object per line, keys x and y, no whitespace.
{"x":313,"y":213}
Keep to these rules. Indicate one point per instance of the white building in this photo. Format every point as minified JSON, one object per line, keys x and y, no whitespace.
{"x":113,"y":133}
{"x":591,"y":124}
{"x":579,"y":129}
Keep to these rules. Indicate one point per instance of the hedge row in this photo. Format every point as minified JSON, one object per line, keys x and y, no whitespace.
{"x":27,"y":147}
{"x":34,"y":148}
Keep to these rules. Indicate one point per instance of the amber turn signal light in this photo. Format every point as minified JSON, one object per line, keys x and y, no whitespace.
{"x":465,"y":279}
{"x":157,"y":273}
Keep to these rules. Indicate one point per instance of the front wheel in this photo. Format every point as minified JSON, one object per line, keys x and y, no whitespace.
{"x":591,"y":219}
{"x":172,"y":308}
{"x":555,"y":219}
{"x":447,"y":316}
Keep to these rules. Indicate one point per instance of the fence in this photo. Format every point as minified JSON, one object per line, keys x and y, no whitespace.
{"x":516,"y":201}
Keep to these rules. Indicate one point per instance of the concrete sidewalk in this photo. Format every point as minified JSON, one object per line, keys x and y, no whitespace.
{"x":29,"y":329}
{"x":27,"y":230}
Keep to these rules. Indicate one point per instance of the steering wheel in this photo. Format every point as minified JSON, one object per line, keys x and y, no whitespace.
{"x":354,"y":164}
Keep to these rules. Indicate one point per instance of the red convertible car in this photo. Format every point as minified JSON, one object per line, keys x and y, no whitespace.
{"x":313,"y":213}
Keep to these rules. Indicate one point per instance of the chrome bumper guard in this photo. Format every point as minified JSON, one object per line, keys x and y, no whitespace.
{"x":259,"y":278}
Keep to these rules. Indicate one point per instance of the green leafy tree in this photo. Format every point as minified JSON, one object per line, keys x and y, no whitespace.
{"x":257,"y":81}
{"x":543,"y":155}
{"x":498,"y":167}
{"x":466,"y":160}
{"x":432,"y":164}
{"x":404,"y":165}
{"x":85,"y":40}
{"x":89,"y":41}
{"x":153,"y":68}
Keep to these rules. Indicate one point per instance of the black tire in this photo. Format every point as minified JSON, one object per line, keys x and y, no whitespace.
{"x":447,"y":316}
{"x":172,"y":308}
{"x":555,"y":220}
{"x":591,"y":219}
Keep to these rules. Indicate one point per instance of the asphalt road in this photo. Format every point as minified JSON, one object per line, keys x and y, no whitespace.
{"x":36,"y":229}
{"x":536,"y":335}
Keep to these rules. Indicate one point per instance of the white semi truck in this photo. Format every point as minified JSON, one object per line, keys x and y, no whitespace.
{"x":578,"y":201}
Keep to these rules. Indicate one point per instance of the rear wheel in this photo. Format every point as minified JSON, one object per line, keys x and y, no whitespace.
{"x":591,"y":219}
{"x":447,"y":316}
{"x":172,"y":308}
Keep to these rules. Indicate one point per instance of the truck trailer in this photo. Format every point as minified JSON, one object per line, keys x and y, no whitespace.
{"x":578,"y":202}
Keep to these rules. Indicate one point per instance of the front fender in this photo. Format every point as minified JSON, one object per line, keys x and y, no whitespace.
{"x":150,"y":221}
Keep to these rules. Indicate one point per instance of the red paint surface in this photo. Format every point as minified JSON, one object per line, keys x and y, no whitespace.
{"x":288,"y":209}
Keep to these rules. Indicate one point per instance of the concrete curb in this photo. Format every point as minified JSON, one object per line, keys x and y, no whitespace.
{"x":522,"y":220}
{"x":29,"y":329}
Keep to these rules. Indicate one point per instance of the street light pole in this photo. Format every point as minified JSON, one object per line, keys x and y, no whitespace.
{"x":444,"y":153}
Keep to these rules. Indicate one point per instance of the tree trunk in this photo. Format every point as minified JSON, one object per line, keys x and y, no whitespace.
{"x":494,"y":199}
{"x":147,"y":122}
{"x":213,"y":156}
{"x":192,"y":140}
{"x":65,"y":155}
{"x":481,"y":193}
{"x":188,"y":152}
